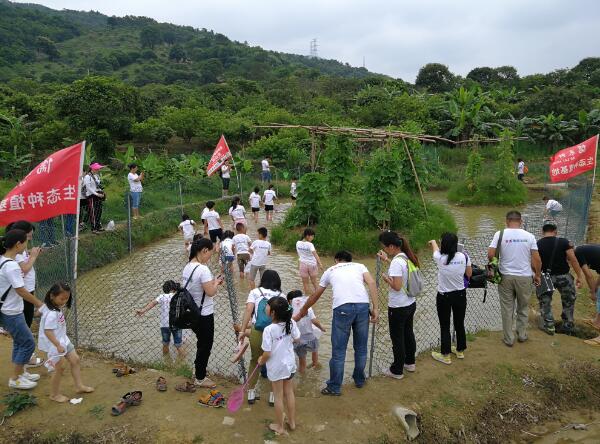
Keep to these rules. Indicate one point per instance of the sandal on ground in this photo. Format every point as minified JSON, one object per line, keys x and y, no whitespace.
{"x":187,"y":387}
{"x":593,"y":342}
{"x":118,"y":408}
{"x":124,"y":371}
{"x":328,"y":392}
{"x":133,"y":398}
{"x":212,"y":399}
{"x":161,"y":384}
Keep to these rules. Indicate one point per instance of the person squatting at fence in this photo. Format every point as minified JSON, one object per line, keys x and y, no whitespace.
{"x":588,"y":257}
{"x":13,"y":291}
{"x":557,"y":254}
{"x":95,"y":196}
{"x":401,"y":306}
{"x":350,"y":303}
{"x":453,"y":267}
{"x":203,"y":287}
{"x":552,"y":208}
{"x":135,"y":188}
{"x":519,"y":255}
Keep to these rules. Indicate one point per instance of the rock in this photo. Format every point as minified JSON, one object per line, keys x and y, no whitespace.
{"x":228,"y":421}
{"x":319,"y":428}
{"x":580,"y":427}
{"x":356,"y":421}
{"x":408,"y":421}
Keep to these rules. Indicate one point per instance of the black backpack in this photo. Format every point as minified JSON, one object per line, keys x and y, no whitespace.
{"x":183,"y":310}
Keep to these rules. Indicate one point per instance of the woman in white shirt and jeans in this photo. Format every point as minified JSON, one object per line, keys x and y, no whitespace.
{"x":453,"y":266}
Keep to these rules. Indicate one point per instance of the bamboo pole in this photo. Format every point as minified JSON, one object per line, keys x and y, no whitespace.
{"x":416,"y":177}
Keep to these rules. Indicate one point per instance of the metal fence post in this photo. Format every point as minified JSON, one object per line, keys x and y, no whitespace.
{"x":130,"y":246}
{"x":372,"y":351}
{"x":180,"y":196}
{"x":232,"y":304}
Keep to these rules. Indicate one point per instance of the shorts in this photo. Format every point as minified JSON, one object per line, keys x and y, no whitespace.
{"x":254,"y":269}
{"x":166,"y":333}
{"x":188,"y":238}
{"x":554,"y":213}
{"x":136,"y":198}
{"x":307,"y":270}
{"x":285,"y":379}
{"x":266,"y":176}
{"x":268,"y":207}
{"x":226,"y":183}
{"x":520,"y":176}
{"x":312,"y":345}
{"x":255,"y":210}
{"x":228,"y":259}
{"x":240,"y":221}
{"x":216,"y":234}
{"x":23,"y":343}
{"x":242,"y":260}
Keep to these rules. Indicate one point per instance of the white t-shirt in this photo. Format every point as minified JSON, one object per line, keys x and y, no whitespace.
{"x":11,"y":275}
{"x":227,"y":246}
{"x":242,"y":243}
{"x":451,"y":276}
{"x":91,"y":185}
{"x":293,"y":190}
{"x":269,"y":195}
{"x":515,"y":253}
{"x":282,"y":362}
{"x":265,"y":165}
{"x":553,"y":205}
{"x":255,"y":296}
{"x":164,"y":301}
{"x":305,"y":324}
{"x":225,"y":172}
{"x":260,"y":249}
{"x":29,"y":277}
{"x":204,"y":212}
{"x":201,"y":276}
{"x":188,"y":228}
{"x":212,"y":218}
{"x":52,"y":320}
{"x":347,"y":283}
{"x":305,"y":251}
{"x":521,"y":168}
{"x":399,"y":268}
{"x":134,"y":187}
{"x":238,"y":213}
{"x":254,"y":200}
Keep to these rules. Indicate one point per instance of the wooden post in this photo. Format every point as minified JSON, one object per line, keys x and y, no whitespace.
{"x":416,"y":176}
{"x":313,"y":152}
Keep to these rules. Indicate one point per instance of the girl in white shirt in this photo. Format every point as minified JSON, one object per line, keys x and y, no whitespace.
{"x":453,"y":266}
{"x":254,"y":200}
{"x":269,"y":197}
{"x":54,"y":341}
{"x":237,"y":212}
{"x":309,"y":261}
{"x":278,"y":353}
{"x":188,"y":229}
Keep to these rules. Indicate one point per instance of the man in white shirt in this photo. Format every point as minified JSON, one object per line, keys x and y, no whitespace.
{"x":226,"y":177}
{"x":350,"y":312}
{"x":519,"y":265}
{"x":552,"y":208}
{"x":266,"y":169}
{"x":521,"y":169}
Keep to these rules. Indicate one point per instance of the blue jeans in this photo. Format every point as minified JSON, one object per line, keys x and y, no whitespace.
{"x":346,"y":317}
{"x":23,"y":344}
{"x":266,"y":176}
{"x":166,"y":333}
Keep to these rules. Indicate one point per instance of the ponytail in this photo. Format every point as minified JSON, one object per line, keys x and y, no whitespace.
{"x":199,"y":245}
{"x":281,"y":312}
{"x":449,"y":246}
{"x":388,"y":238}
{"x":12,"y":238}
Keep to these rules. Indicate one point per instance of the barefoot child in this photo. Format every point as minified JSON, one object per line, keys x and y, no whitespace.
{"x":308,"y":340}
{"x":310,"y":262}
{"x":164,"y":300}
{"x":278,"y":354}
{"x":269,"y":197}
{"x":241,"y":247}
{"x":188,"y":228}
{"x":54,"y":341}
{"x":260,"y":251}
{"x":254,"y":199}
{"x":227,"y":256}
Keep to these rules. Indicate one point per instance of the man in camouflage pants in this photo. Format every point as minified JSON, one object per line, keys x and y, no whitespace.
{"x":557,"y":255}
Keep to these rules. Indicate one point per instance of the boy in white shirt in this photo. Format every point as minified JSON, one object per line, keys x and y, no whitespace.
{"x":254,"y":199}
{"x":294,"y":191}
{"x":227,"y":256}
{"x":241,"y":247}
{"x":260,"y":250}
{"x":187,"y":227}
{"x":212,"y":222}
{"x":269,"y":197}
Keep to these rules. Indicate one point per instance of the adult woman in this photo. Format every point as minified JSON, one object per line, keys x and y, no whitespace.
{"x":203,"y":287}
{"x":225,"y":177}
{"x":237,"y":212}
{"x":95,"y":196}
{"x":135,"y":188}
{"x":12,"y":289}
{"x":401,"y":306}
{"x":270,"y":286}
{"x":452,"y":296}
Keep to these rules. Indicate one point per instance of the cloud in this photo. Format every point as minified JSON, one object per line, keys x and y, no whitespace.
{"x":395,"y":37}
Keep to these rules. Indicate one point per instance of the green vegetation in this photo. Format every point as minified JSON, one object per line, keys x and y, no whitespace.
{"x":15,"y":402}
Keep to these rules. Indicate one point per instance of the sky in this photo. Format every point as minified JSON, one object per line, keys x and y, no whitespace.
{"x":395,"y":37}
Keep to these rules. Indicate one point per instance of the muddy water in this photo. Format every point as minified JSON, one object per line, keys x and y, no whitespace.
{"x":107,"y":298}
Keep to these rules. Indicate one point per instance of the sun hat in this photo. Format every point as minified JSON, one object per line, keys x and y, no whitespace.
{"x":96,"y":166}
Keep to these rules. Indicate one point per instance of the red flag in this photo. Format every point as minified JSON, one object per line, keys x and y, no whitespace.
{"x":221,"y":154}
{"x":574,"y":160}
{"x":49,"y":190}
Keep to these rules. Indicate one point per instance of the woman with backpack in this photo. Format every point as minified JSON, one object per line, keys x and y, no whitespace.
{"x":451,"y":297}
{"x":256,"y":315}
{"x":401,"y":305}
{"x":199,"y":281}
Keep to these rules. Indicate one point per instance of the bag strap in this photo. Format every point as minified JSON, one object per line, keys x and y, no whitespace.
{"x":549,"y":268}
{"x":190,"y":278}
{"x":5,"y":295}
{"x":499,"y":245}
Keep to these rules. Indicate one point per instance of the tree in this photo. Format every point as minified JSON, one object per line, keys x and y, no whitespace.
{"x":383,"y":184}
{"x":184,"y":121}
{"x":177,"y":53}
{"x":15,"y":145}
{"x":104,"y":146}
{"x":339,"y":161}
{"x":150,"y":36}
{"x":587,"y":67}
{"x":435,"y":77}
{"x":484,"y":75}
{"x":46,"y":46}
{"x":507,"y":75}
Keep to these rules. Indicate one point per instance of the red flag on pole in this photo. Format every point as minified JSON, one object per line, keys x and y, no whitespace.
{"x":574,"y":160}
{"x":49,"y":190}
{"x":221,"y":154}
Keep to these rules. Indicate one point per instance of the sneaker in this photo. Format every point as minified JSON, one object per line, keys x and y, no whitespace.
{"x":459,"y":355}
{"x":205,"y":383}
{"x":522,"y":338}
{"x":508,"y":344}
{"x":30,"y":376}
{"x":21,"y":383}
{"x":251,"y":396}
{"x":387,"y":372}
{"x":444,"y":359}
{"x":410,"y":367}
{"x":271,"y":399}
{"x":549,"y":330}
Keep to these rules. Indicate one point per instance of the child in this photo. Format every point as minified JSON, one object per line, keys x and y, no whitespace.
{"x":269,"y":198}
{"x":293,"y":191}
{"x":53,"y":340}
{"x":164,"y":300}
{"x":278,"y":354}
{"x":241,"y":247}
{"x":308,"y":340}
{"x":260,"y":250}
{"x":237,"y":212}
{"x":227,"y":256}
{"x":212,"y":223}
{"x":187,"y":227}
{"x":254,"y":200}
{"x":309,"y":260}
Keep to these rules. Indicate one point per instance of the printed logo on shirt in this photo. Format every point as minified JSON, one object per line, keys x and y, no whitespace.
{"x":516,"y":241}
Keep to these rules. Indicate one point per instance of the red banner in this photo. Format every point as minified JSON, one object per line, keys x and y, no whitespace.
{"x":49,"y":190}
{"x":574,"y":160}
{"x":221,"y":154}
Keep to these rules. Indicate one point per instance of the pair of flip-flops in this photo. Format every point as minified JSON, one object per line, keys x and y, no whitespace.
{"x":186,"y":387}
{"x":214,"y":398}
{"x":129,"y":399}
{"x":123,"y":370}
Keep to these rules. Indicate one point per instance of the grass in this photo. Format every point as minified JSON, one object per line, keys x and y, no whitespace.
{"x":97,"y":411}
{"x":16,"y":402}
{"x":514,"y":193}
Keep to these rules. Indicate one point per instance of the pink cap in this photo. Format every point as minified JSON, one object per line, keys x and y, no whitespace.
{"x":96,"y":166}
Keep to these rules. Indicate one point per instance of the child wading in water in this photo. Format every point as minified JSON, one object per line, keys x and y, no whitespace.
{"x":241,"y":248}
{"x":308,"y":340}
{"x":54,"y":341}
{"x":227,"y":256}
{"x":278,"y":354}
{"x":254,"y":199}
{"x":188,"y":228}
{"x":164,"y":300}
{"x":310,"y":262}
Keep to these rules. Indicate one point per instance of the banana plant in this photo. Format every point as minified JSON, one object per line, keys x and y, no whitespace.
{"x":17,"y":148}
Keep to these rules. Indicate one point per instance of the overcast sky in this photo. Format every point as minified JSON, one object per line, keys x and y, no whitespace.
{"x":395,"y":37}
